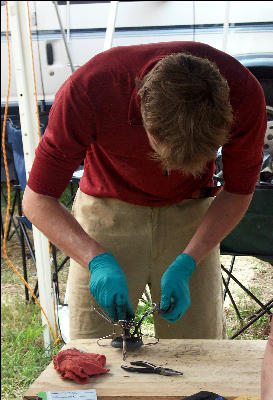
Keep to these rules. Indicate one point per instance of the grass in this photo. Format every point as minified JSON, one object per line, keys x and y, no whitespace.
{"x":147,"y":326}
{"x":257,"y":276}
{"x":23,"y":354}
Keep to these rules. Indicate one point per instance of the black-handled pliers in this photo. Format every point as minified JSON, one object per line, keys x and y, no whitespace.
{"x":149,"y":368}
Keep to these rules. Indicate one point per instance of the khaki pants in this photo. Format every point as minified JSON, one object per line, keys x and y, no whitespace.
{"x":145,"y":241}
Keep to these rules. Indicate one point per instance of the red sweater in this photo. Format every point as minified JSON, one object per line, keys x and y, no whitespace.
{"x":96,"y":117}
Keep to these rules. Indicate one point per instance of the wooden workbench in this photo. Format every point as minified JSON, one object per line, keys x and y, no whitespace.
{"x":227,"y":367}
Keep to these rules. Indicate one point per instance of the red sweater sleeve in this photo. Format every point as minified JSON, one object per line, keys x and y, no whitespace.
{"x":242,"y":155}
{"x":70,"y":132}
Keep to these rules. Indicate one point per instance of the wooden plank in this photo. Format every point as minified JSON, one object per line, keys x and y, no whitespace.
{"x":227,"y":367}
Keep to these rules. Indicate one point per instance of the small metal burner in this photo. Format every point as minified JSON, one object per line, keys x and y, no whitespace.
{"x":131,"y":337}
{"x":131,"y":343}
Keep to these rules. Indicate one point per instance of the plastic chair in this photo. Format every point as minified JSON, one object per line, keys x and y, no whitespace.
{"x":14,"y":181}
{"x":25,"y":226}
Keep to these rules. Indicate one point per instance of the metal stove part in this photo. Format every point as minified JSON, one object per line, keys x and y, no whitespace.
{"x":131,"y":343}
{"x":131,"y":336}
{"x":154,"y":307}
{"x":125,"y":337}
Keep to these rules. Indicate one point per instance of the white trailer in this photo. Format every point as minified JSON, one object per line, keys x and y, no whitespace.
{"x":242,"y":29}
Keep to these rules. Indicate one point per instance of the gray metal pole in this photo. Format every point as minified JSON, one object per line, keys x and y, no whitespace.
{"x":226,"y":25}
{"x":64,"y":38}
{"x":110,"y":25}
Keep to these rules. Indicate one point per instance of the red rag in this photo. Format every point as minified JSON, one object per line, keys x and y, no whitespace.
{"x":78,"y":366}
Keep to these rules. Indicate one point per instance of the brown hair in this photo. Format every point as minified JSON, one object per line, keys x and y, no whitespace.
{"x":185,"y":107}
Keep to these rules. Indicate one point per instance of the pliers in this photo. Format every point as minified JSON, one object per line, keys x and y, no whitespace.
{"x":149,"y":368}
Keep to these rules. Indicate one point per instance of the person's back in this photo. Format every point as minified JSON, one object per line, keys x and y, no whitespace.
{"x":102,"y":113}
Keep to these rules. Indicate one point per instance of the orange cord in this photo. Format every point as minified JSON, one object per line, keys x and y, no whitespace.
{"x":8,"y":186}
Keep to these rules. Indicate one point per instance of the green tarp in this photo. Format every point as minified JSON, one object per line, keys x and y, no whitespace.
{"x":253,"y":236}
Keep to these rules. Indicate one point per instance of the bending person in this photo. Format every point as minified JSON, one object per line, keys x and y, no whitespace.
{"x":148,"y":121}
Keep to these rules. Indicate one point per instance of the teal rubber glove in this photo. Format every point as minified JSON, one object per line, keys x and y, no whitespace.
{"x":175,"y":292}
{"x":108,"y":285}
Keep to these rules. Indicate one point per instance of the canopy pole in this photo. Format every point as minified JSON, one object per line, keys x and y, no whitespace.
{"x":21,"y":45}
{"x":110,"y":25}
{"x":63,"y":36}
{"x":226,"y":26}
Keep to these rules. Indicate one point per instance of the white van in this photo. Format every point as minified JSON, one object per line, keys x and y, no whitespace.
{"x":242,"y":29}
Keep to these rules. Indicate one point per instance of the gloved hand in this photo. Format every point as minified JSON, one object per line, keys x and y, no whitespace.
{"x":175,"y":293}
{"x":108,"y":285}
